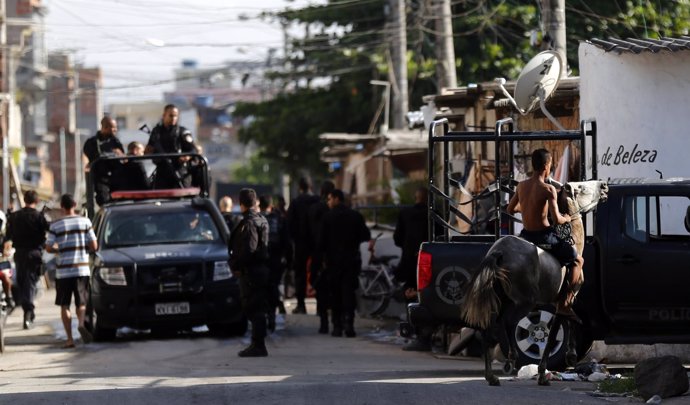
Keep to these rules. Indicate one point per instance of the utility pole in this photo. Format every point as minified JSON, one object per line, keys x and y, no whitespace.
{"x":63,"y":162}
{"x":553,"y":16}
{"x":77,"y":140}
{"x":4,"y":119}
{"x":399,"y":62}
{"x":445,"y":51}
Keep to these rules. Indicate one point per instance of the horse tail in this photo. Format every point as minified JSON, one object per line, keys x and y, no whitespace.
{"x":481,"y":300}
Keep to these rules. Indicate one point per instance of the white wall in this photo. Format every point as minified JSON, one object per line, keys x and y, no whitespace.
{"x":641,"y":103}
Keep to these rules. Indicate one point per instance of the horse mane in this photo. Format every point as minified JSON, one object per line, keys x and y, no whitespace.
{"x":481,"y":297}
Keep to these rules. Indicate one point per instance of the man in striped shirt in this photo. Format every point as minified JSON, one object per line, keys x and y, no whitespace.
{"x":72,"y":238}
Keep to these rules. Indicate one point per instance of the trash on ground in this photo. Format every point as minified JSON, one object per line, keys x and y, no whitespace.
{"x":591,"y":371}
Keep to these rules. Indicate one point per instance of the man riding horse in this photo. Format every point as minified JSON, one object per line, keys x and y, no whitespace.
{"x":536,"y":200}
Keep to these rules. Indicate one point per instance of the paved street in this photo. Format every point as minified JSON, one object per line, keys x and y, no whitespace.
{"x":302,"y":368}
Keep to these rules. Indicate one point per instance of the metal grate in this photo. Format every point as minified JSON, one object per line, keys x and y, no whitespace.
{"x":172,"y":278}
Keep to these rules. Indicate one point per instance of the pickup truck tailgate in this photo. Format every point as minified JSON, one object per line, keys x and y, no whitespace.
{"x":452,"y":264}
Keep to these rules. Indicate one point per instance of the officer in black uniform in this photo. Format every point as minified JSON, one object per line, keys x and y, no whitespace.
{"x":411,"y":230}
{"x":26,"y":231}
{"x":342,"y":231}
{"x":298,"y":228}
{"x":168,"y":137}
{"x":104,"y":144}
{"x":277,"y":245}
{"x":318,"y":276}
{"x":249,"y":262}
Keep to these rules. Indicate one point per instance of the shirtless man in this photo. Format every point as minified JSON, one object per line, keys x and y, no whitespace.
{"x":536,"y":199}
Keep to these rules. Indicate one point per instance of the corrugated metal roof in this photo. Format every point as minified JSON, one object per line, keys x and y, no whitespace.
{"x":634,"y":45}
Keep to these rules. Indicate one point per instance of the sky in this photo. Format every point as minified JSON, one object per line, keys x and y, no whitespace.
{"x":138,"y":43}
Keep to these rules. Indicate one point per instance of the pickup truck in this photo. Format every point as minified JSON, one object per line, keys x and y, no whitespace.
{"x":637,"y":254}
{"x":162,"y":262}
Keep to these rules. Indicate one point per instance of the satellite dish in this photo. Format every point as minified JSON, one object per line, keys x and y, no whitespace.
{"x":541,"y":72}
{"x":537,"y":81}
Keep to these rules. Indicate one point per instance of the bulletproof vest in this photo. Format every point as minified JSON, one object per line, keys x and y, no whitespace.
{"x":261,"y":254}
{"x":274,"y":229}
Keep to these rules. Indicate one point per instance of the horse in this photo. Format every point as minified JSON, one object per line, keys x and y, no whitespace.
{"x":515,"y":276}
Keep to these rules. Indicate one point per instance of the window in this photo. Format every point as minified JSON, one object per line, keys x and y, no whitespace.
{"x":667,"y":214}
{"x":660,"y":217}
{"x":159,"y":227}
{"x":635,"y":217}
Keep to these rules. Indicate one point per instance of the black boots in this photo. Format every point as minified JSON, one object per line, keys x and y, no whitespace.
{"x":29,"y":319}
{"x":256,"y":349}
{"x":337,"y":326}
{"x":323,"y":327}
{"x":350,"y":326}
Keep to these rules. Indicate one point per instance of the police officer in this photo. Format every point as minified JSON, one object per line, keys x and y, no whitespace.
{"x":342,"y":231}
{"x":277,"y":242}
{"x":318,"y":276}
{"x":410,"y":231}
{"x":168,"y":137}
{"x":104,"y":144}
{"x":26,"y":231}
{"x":298,"y":227}
{"x":248,"y":261}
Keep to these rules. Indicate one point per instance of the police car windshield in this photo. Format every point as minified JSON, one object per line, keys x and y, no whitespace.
{"x":160,"y":226}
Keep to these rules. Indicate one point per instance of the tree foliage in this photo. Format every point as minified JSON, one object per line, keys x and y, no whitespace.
{"x":327,"y":73}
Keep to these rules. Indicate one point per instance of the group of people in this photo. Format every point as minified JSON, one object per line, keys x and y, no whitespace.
{"x":326,"y":235}
{"x":130,"y":174}
{"x":319,"y":236}
{"x":71,"y":238}
{"x":322,"y":233}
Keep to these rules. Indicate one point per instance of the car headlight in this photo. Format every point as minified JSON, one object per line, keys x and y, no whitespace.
{"x":113,"y":275}
{"x":221,"y":271}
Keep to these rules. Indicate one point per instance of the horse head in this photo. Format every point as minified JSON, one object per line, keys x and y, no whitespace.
{"x":574,"y":199}
{"x":583,"y":196}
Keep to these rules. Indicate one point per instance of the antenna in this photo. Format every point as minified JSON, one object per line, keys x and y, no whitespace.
{"x":537,"y":81}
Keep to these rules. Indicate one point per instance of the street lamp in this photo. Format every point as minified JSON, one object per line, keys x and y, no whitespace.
{"x":384,"y":127}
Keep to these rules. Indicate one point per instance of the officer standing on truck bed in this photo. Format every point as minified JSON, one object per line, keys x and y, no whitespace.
{"x":104,"y":144}
{"x":249,"y":261}
{"x":168,"y":137}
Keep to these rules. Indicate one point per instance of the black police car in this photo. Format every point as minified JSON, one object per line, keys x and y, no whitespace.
{"x":162,"y":264}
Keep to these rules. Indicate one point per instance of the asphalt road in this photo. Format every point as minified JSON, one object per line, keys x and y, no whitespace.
{"x":303,"y":367}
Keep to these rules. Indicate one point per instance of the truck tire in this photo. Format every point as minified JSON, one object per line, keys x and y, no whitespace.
{"x":100,"y":333}
{"x":530,"y":334}
{"x":372,"y":294}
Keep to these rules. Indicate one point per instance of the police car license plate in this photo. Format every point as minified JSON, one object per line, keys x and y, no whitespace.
{"x":172,"y":308}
